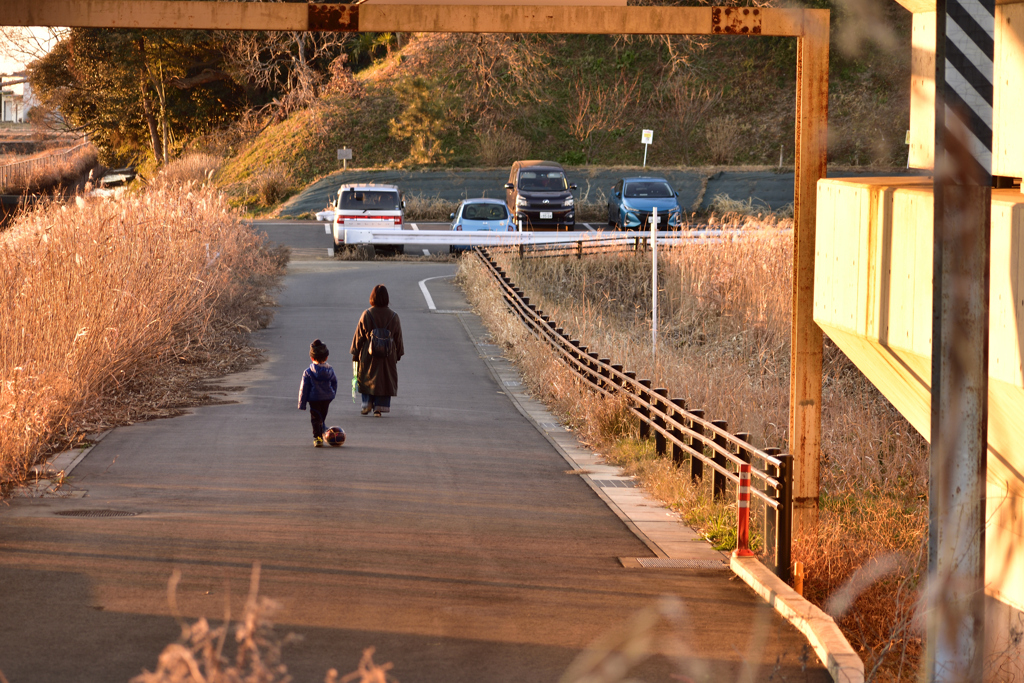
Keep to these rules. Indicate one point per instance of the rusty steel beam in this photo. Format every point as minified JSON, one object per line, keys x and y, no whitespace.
{"x":806,"y":350}
{"x":246,"y":16}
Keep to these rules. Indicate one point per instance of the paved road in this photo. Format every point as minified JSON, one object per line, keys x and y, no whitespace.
{"x":697,"y":188}
{"x":446,"y":534}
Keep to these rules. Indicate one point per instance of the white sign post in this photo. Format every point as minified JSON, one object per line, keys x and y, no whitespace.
{"x":344,"y":154}
{"x":646,"y":138}
{"x":654,"y":282}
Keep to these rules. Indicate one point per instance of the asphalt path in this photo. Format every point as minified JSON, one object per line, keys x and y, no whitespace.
{"x":446,"y":534}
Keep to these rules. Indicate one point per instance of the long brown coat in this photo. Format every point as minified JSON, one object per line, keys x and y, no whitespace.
{"x":377,"y":376}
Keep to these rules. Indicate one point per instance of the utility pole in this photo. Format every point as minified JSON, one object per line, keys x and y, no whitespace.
{"x":964,"y":74}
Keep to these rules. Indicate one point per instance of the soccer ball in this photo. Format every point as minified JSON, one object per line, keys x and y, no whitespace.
{"x":335,"y":436}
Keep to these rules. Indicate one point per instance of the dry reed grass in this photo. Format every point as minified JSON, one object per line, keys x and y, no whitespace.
{"x":196,"y":168}
{"x":112,"y":310}
{"x":55,"y":174}
{"x":199,"y":656}
{"x":724,"y":346}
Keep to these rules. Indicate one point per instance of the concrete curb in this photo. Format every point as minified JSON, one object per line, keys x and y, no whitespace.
{"x":821,"y":631}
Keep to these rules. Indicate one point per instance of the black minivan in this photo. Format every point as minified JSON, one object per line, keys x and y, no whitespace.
{"x":539,"y":197}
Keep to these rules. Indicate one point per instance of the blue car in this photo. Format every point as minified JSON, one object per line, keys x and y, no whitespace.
{"x":633,"y":199}
{"x":473,"y":215}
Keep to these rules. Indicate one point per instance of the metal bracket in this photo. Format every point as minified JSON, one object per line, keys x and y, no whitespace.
{"x":333,"y":17}
{"x":736,"y":20}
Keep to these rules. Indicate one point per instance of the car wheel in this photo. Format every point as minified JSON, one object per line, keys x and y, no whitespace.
{"x":611,"y":219}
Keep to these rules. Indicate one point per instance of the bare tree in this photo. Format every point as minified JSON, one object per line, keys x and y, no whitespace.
{"x":689,"y":104}
{"x":594,"y":108}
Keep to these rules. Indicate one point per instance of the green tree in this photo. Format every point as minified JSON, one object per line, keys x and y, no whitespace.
{"x":425,"y":122}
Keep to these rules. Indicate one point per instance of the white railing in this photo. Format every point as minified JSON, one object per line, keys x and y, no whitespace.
{"x":355,"y":236}
{"x":13,"y":175}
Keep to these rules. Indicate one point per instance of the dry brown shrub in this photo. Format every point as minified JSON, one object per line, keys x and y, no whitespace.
{"x":723,"y":136}
{"x":108,"y":306}
{"x":724,"y":346}
{"x":500,"y":146}
{"x":428,"y":208}
{"x":271,"y":184}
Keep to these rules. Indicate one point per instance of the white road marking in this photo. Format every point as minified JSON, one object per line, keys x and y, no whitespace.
{"x":587,"y":225}
{"x":426,"y":252}
{"x":426,"y":294}
{"x":327,"y":228}
{"x":414,"y":226}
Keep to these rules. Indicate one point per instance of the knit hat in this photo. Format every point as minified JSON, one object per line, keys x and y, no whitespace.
{"x":318,"y":350}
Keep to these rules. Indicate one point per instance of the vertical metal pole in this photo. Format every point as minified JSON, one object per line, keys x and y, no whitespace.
{"x":806,"y":359}
{"x":964,"y":46}
{"x":660,"y":443}
{"x":772,"y":515}
{"x":679,"y":405}
{"x":784,"y":537}
{"x":645,"y":414}
{"x":654,"y":281}
{"x":717,"y":478}
{"x":696,"y":464}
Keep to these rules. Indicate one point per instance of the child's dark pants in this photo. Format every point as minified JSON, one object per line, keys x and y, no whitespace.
{"x":318,"y":416}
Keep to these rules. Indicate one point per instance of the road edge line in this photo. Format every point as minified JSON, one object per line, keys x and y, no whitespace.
{"x":821,"y":630}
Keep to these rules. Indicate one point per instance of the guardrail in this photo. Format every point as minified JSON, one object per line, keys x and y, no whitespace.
{"x":695,"y":441}
{"x":582,"y":240}
{"x":19,"y":171}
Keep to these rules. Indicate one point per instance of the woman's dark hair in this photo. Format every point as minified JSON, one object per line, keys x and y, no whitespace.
{"x":379,"y":296}
{"x":318,"y":351}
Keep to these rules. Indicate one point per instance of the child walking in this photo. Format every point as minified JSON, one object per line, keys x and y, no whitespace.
{"x":319,"y":387}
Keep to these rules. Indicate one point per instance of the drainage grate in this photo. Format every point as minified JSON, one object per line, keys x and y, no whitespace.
{"x":550,"y":426}
{"x":677,"y":563}
{"x":96,"y":513}
{"x":615,"y":483}
{"x":512,"y":383}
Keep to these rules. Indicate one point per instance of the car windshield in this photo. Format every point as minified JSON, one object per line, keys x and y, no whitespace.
{"x":484,"y":212}
{"x":648,"y":190}
{"x":363,"y":200}
{"x":542,"y":181}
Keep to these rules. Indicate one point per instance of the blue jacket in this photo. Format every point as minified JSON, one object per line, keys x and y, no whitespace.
{"x":319,"y":383}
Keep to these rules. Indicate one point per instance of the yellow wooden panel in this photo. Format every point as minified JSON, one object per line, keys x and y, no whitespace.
{"x":847,"y":250}
{"x":922,"y":91}
{"x":924,"y":253}
{"x":1008,"y":95}
{"x":1003,"y":357}
{"x":901,"y":376}
{"x":863,"y":258}
{"x":902,"y":261}
{"x":825,"y":222}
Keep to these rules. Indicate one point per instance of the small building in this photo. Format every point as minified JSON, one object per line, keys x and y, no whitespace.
{"x":17,"y":98}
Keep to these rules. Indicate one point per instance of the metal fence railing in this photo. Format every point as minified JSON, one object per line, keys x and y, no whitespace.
{"x":695,"y":442}
{"x":15,"y":174}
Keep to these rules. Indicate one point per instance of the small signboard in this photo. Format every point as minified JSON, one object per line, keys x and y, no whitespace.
{"x":647,"y":138}
{"x":344,"y":154}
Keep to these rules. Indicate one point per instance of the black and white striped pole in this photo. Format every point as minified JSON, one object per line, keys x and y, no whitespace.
{"x":964,"y":75}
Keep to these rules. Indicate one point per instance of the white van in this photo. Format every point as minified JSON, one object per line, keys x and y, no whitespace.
{"x":369,"y":207}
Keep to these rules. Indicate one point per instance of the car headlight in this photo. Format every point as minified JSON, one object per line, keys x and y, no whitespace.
{"x":521,"y":203}
{"x":569,"y":202}
{"x":632,"y":219}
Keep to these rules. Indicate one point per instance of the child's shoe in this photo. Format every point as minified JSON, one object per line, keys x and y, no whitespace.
{"x":318,"y":442}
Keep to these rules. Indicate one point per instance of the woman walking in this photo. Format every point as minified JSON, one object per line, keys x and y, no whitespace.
{"x":376,"y":349}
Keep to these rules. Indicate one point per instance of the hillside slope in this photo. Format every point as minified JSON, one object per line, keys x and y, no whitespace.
{"x":453,"y":100}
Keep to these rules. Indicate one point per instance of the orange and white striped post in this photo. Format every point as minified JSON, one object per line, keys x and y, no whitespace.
{"x":743,"y":509}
